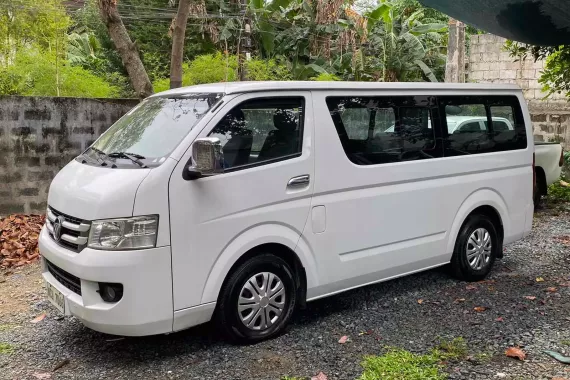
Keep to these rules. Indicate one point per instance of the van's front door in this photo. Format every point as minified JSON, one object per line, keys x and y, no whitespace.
{"x":263,"y":196}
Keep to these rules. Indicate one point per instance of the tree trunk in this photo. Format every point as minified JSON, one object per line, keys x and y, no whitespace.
{"x":125,"y":47}
{"x":178,"y":36}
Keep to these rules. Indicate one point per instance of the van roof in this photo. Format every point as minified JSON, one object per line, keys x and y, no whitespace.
{"x":241,"y":87}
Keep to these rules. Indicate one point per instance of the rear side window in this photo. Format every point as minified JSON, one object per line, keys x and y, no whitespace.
{"x":482,"y":124}
{"x":379,"y":130}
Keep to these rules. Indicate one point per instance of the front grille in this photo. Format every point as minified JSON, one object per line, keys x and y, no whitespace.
{"x":74,"y":232}
{"x":68,"y":280}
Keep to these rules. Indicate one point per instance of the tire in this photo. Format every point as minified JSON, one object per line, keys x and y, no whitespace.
{"x":259,"y":270}
{"x":463,"y":262}
{"x":541,"y":188}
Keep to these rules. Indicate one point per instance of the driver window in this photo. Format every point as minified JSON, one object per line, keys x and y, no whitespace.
{"x":261,"y":130}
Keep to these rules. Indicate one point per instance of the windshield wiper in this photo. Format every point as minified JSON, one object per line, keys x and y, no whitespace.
{"x":136,"y":158}
{"x":100,"y":160}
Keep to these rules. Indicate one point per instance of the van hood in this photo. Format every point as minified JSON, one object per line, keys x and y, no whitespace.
{"x":92,"y":192}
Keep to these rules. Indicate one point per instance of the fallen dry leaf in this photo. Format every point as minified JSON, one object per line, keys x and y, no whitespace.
{"x":19,"y":239}
{"x":39,"y":318}
{"x":552,"y":289}
{"x":343,"y":339}
{"x":539,"y":279}
{"x":500,"y":319}
{"x":479,"y":309}
{"x":320,"y":376}
{"x":559,"y":378}
{"x":420,"y":301}
{"x":532,"y":298}
{"x":515,"y":352}
{"x":563,"y":239}
{"x":41,"y":375}
{"x":564,"y":183}
{"x":459,"y":300}
{"x":471,"y":287}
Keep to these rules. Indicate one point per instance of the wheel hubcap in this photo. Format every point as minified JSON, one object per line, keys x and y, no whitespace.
{"x":261,"y":301}
{"x":479,"y":248}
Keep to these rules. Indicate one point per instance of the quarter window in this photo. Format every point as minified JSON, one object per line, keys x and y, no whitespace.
{"x":261,"y":131}
{"x":482,"y":124}
{"x":378,"y":130}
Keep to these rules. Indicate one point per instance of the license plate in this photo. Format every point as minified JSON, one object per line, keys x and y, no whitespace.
{"x":55,"y":297}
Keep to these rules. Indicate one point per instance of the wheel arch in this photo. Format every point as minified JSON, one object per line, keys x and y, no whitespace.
{"x":483,"y":201}
{"x":278,"y":239}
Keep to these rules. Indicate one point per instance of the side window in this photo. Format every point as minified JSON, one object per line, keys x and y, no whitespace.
{"x":467,"y":132}
{"x":261,"y":130}
{"x":509,"y":131}
{"x":482,"y":124}
{"x":388,"y":129}
{"x":357,"y":121}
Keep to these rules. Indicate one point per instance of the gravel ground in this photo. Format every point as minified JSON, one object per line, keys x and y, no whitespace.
{"x":390,"y":314}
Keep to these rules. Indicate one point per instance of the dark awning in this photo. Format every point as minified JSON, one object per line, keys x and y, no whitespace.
{"x":543,"y":22}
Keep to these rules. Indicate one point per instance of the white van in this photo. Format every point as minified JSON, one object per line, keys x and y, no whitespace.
{"x":243,"y":201}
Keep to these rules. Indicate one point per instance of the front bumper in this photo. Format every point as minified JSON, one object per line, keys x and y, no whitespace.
{"x":146,"y":307}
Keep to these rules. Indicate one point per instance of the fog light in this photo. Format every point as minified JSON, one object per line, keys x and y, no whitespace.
{"x":110,"y":292}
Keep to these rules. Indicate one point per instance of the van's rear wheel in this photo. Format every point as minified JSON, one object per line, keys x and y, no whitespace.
{"x":258,"y":299}
{"x":476,"y":249}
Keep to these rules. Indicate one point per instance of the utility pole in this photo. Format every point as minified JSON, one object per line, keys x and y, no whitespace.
{"x":455,"y":66}
{"x":245,"y":51}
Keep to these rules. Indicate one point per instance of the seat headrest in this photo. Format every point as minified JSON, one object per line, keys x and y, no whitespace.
{"x":285,"y":120}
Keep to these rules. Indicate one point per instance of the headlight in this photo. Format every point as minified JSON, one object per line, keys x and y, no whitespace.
{"x":124,"y":233}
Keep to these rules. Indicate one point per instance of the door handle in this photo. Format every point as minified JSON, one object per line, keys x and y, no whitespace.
{"x":301,"y":180}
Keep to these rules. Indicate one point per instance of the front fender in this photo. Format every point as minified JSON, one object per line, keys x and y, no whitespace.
{"x":481,"y":197}
{"x":249,"y":239}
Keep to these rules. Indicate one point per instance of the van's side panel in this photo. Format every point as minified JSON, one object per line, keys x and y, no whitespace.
{"x":387,"y":220}
{"x":215,"y":220}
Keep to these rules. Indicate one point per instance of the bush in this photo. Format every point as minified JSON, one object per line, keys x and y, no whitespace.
{"x":324,"y":77}
{"x":259,"y":69}
{"x":557,"y":193}
{"x":216,"y":68}
{"x":211,"y":68}
{"x":35,"y":74}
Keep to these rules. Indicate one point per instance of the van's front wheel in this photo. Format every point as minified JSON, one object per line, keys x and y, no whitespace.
{"x":475,"y":249}
{"x":258,"y":299}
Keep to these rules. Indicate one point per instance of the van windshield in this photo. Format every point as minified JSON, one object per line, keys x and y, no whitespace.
{"x":155,"y":127}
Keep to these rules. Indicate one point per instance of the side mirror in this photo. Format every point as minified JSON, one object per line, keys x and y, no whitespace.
{"x":207,"y":159}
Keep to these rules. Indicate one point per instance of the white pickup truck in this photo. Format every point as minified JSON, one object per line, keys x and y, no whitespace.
{"x":549,"y":158}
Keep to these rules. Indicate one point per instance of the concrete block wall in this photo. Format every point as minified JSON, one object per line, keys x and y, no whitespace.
{"x":38,"y":136}
{"x":489,"y":63}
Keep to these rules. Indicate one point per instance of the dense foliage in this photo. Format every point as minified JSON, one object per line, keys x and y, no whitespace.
{"x":555,"y":77}
{"x":51,"y":51}
{"x":34,"y":57}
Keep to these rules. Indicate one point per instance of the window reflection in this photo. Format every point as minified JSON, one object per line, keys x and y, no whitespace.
{"x":155,"y":127}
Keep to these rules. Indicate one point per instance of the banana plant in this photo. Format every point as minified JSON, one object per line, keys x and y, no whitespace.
{"x":396,"y":48}
{"x":81,"y":47}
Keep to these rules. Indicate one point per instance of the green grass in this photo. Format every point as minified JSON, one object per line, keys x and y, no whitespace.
{"x":455,"y":349}
{"x":565,"y":342}
{"x":482,"y":357}
{"x":399,"y":364}
{"x":6,"y":348}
